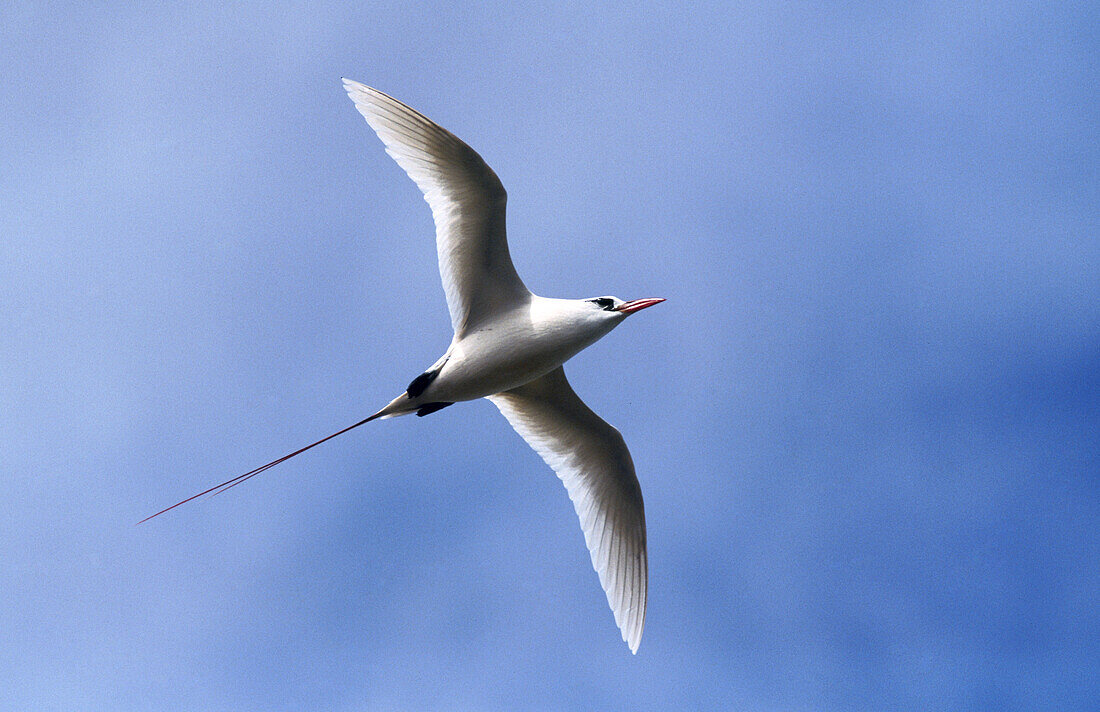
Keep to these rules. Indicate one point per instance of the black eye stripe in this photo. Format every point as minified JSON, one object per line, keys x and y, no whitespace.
{"x":603,"y":302}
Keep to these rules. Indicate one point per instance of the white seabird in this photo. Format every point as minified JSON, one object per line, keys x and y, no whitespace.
{"x":509,"y":346}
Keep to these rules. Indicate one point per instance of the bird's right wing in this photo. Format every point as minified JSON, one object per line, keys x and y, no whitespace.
{"x":467,"y":202}
{"x":592,"y":461}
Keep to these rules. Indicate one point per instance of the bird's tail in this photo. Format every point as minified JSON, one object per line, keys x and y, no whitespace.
{"x":395,"y":408}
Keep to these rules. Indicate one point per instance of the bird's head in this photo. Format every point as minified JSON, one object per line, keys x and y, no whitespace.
{"x":615,"y":307}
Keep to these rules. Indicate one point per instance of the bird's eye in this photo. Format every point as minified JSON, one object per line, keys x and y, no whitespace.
{"x":603,"y":302}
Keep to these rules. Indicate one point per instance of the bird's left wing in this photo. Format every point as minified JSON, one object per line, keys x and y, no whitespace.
{"x":592,"y":461}
{"x":467,"y":202}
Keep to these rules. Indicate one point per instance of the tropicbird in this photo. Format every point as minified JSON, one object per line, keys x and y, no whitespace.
{"x":509,"y":346}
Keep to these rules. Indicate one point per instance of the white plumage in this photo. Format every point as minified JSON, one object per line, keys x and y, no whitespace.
{"x":467,"y":202}
{"x":509,"y":346}
{"x":592,"y":461}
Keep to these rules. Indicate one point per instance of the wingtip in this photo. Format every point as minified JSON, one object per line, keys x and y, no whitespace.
{"x":352,"y":85}
{"x":632,"y":633}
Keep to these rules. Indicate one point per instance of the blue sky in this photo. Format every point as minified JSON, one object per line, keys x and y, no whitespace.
{"x":865,"y":421}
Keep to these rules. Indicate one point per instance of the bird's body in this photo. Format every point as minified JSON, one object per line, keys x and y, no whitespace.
{"x":519,"y":345}
{"x":509,"y":346}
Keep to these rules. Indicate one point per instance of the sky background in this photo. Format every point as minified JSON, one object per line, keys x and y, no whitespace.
{"x":865,"y":421}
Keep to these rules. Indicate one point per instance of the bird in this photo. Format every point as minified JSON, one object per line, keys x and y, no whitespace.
{"x":509,"y":346}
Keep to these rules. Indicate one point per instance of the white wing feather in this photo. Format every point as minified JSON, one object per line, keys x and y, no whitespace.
{"x":467,"y":202}
{"x":592,"y":461}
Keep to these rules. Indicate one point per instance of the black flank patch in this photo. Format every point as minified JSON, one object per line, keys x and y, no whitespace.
{"x":420,"y":383}
{"x":429,"y":408}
